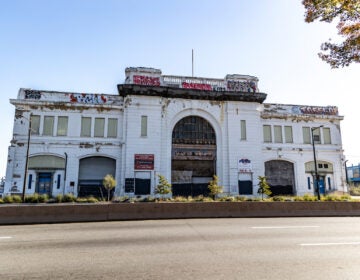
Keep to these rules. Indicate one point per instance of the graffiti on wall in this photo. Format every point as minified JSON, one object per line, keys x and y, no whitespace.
{"x":88,"y":98}
{"x":196,"y":86}
{"x":315,"y":110}
{"x":241,"y":86}
{"x":146,"y":80}
{"x":32,"y":94}
{"x":244,"y":165}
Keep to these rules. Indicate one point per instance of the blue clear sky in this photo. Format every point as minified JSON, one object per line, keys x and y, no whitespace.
{"x":85,"y":45}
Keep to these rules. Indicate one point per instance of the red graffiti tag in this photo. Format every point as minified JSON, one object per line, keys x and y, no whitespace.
{"x":196,"y":86}
{"x":145,"y":80}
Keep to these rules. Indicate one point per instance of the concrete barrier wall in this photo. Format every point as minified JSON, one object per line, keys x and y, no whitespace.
{"x":61,"y":213}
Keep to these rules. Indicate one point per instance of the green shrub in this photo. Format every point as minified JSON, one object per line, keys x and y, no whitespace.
{"x":8,"y":199}
{"x":36,"y":198}
{"x":240,"y":198}
{"x":89,"y":199}
{"x":345,"y":197}
{"x":121,"y":199}
{"x":278,"y":198}
{"x":227,"y":198}
{"x":59,"y":198}
{"x":253,"y":199}
{"x":148,"y":199}
{"x":179,"y":199}
{"x":1,"y":201}
{"x":308,"y":197}
{"x":68,"y":198}
{"x":354,"y":191}
{"x":92,"y":199}
{"x":298,"y":198}
{"x":17,"y":198}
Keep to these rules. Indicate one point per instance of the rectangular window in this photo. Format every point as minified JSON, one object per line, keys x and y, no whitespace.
{"x":85,"y":127}
{"x":288,"y":134}
{"x":62,"y":126}
{"x":326,"y":135}
{"x":30,"y":181}
{"x":143,"y":126}
{"x":112,"y":128}
{"x":278,"y":134}
{"x":48,"y":126}
{"x":58,"y":181}
{"x":243,"y":129}
{"x":329,"y":183}
{"x":99,"y":127}
{"x":306,"y":135}
{"x":309,"y":183}
{"x":267,"y":133}
{"x":316,"y":135}
{"x":35,"y":124}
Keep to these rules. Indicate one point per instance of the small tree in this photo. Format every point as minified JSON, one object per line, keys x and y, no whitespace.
{"x":109,"y":183}
{"x":264,"y":187}
{"x":163,"y":187}
{"x":214,"y":188}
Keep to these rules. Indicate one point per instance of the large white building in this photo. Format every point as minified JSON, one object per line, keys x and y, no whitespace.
{"x":185,"y":128}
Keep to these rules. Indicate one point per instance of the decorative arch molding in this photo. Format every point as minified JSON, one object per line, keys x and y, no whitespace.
{"x":46,"y":161}
{"x":323,"y":166}
{"x":198,"y":113}
{"x":97,"y":155}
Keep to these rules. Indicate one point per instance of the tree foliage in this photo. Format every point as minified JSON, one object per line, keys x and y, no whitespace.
{"x":164,"y":187}
{"x":348,"y":14}
{"x":264,"y":187}
{"x":214,"y":187}
{"x":109,"y":183}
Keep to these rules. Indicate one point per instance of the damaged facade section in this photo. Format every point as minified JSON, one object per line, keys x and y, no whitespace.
{"x":185,"y":128}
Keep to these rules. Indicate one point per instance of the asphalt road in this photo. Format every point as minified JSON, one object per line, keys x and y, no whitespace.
{"x":272,"y":248}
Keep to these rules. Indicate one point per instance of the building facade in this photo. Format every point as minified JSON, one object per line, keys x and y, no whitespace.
{"x":185,"y":128}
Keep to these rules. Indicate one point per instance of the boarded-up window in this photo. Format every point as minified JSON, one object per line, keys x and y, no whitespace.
{"x":267,"y":133}
{"x":48,"y":126}
{"x":112,"y":128}
{"x":288,"y":134}
{"x":143,"y":126}
{"x":35,"y":124}
{"x":278,"y":134}
{"x":62,"y":126}
{"x":306,"y":135}
{"x":326,"y":135}
{"x":99,"y":127}
{"x":243,"y":129}
{"x":85,"y":127}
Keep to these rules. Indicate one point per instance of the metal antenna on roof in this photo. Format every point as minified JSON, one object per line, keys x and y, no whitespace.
{"x":192,"y":62}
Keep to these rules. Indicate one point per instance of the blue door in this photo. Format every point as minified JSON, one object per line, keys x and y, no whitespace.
{"x":44,"y":183}
{"x":321,"y":185}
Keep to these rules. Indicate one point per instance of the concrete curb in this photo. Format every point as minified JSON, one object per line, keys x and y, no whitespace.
{"x":66,"y":213}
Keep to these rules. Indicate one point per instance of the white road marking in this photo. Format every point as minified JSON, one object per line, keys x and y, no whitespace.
{"x":5,"y":237}
{"x":330,"y":244}
{"x":285,"y":227}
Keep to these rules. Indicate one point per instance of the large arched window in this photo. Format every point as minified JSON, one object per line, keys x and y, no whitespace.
{"x":193,"y":130}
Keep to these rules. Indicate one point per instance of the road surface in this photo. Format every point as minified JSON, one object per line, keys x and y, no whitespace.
{"x":257,"y":248}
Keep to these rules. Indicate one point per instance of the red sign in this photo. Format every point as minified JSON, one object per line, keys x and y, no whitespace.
{"x":144,"y":161}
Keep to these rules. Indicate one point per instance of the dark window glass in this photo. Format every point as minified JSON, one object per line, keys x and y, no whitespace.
{"x":193,"y":130}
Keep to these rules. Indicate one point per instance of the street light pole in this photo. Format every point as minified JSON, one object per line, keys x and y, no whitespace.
{"x":26,"y":159}
{"x":315,"y":163}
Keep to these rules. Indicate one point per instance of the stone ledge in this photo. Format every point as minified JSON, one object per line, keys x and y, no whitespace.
{"x":67,"y":213}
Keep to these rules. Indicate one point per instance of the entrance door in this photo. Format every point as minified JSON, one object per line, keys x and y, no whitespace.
{"x":321,"y":185}
{"x":44,"y":183}
{"x":193,"y":157}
